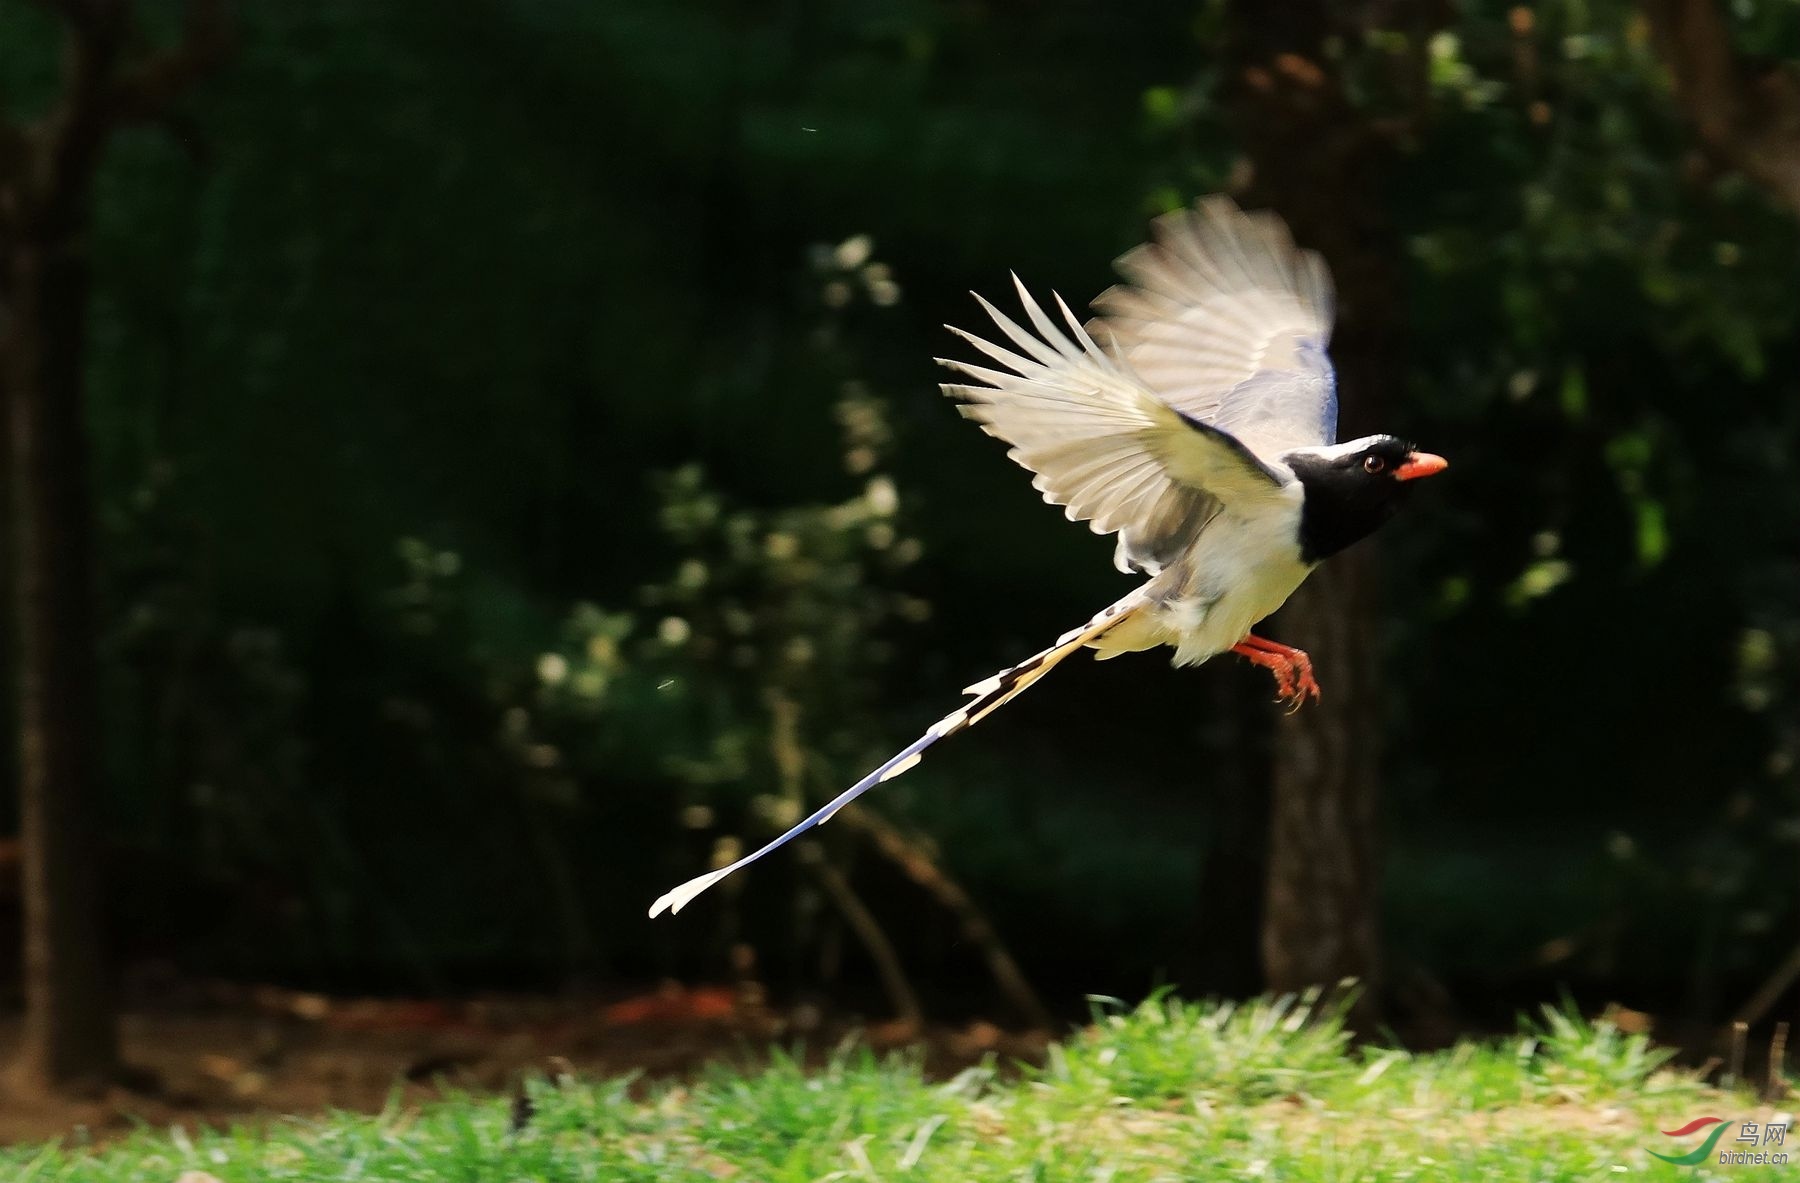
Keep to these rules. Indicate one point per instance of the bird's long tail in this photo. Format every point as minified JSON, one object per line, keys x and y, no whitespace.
{"x":990,"y":696}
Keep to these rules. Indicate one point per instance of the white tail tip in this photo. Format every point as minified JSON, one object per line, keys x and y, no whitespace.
{"x":674,"y":901}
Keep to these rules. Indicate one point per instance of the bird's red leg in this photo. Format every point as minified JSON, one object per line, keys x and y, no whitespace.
{"x":1292,"y":667}
{"x":1299,"y":667}
{"x":1273,"y":662}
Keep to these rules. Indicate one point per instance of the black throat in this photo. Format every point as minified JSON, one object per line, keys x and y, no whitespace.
{"x":1342,"y":505}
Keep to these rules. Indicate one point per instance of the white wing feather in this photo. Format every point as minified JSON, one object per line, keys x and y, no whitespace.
{"x":1099,"y":441}
{"x":1228,"y":321}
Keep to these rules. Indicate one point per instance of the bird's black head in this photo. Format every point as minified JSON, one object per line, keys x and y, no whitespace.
{"x":1351,"y":489}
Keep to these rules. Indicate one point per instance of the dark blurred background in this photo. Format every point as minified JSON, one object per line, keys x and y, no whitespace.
{"x":518,"y":479}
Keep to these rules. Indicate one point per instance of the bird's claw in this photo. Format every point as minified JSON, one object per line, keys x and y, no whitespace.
{"x":1292,"y":670}
{"x":1304,"y":682}
{"x":1294,"y":683}
{"x":1296,"y":691}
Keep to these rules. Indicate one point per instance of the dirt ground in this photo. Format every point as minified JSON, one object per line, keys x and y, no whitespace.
{"x":229,"y":1054}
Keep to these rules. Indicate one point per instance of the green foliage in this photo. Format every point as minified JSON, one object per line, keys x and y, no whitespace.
{"x":206,"y":708}
{"x":1266,"y":1090}
{"x":1209,"y":1053}
{"x":760,"y":656}
{"x":777,"y":624}
{"x":779,"y":1113}
{"x":1594,"y":1057}
{"x":749,"y":674}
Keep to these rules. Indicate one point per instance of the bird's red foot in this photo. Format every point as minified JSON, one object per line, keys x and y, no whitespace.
{"x":1292,"y":668}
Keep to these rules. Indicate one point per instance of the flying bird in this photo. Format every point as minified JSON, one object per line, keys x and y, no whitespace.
{"x":1196,"y":419}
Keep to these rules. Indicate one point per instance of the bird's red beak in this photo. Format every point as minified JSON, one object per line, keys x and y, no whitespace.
{"x":1420,"y":464}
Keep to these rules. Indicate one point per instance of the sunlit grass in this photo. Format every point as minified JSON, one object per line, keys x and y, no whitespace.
{"x":1219,"y":1053}
{"x":1165,"y":1090}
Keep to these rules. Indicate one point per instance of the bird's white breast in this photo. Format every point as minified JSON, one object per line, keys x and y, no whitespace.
{"x":1242,"y":567}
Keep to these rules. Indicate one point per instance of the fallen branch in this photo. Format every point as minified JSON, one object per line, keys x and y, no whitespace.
{"x":875,"y":941}
{"x":791,"y":764}
{"x":790,"y":756}
{"x":1778,"y":1087}
{"x":919,"y":866}
{"x":1770,"y":991}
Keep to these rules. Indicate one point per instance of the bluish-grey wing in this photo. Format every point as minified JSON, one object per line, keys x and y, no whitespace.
{"x":1100,"y":442}
{"x":1226,"y":320}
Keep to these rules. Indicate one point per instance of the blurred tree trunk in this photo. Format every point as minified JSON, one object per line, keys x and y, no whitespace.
{"x":1322,"y":909}
{"x":1747,"y":115}
{"x":1320,"y":163}
{"x":47,"y":172}
{"x":9,"y":766}
{"x":70,"y":1036}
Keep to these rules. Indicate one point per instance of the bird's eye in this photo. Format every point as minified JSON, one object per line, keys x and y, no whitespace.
{"x":1374,"y":464}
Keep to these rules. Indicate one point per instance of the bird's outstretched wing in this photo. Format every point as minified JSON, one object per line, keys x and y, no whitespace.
{"x":1227,"y":321}
{"x":990,"y":695}
{"x":1100,"y":442}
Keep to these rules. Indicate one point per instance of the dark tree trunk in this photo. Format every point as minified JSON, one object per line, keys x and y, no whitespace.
{"x":1747,"y":115}
{"x":9,"y":764}
{"x":1320,"y":163}
{"x":1321,"y":913}
{"x":46,"y":183}
{"x":71,"y":1035}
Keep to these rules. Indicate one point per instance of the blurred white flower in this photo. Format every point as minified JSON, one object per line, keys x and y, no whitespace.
{"x":883,"y":498}
{"x":552,"y":668}
{"x":1756,"y":651}
{"x":726,"y":851}
{"x":854,"y":251}
{"x":674,"y":630}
